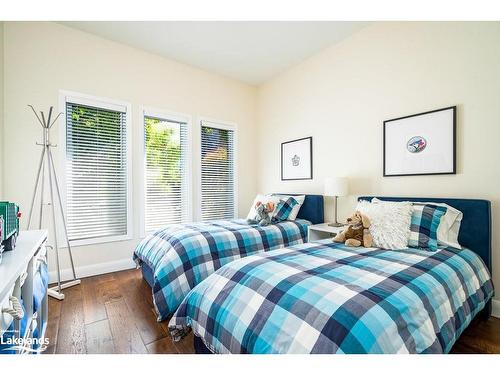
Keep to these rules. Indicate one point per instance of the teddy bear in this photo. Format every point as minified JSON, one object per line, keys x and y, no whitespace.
{"x":263,"y":214}
{"x":357,"y":233}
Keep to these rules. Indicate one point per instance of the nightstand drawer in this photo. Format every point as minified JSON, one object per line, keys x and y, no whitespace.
{"x":322,"y":231}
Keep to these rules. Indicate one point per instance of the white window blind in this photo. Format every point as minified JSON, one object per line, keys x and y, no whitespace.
{"x":217,"y":172}
{"x":96,"y":171}
{"x":166,"y":179}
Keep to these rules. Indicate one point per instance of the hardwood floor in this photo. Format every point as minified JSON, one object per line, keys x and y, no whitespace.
{"x":480,"y":337}
{"x":110,"y":313}
{"x":114,"y":313}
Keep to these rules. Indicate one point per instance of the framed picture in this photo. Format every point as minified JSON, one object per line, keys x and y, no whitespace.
{"x":421,"y":144}
{"x":296,"y":159}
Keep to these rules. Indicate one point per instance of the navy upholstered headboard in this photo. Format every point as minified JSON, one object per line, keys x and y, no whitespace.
{"x":475,"y":230}
{"x":312,"y":209}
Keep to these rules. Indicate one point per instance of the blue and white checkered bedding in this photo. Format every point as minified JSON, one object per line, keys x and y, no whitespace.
{"x":183,"y":255}
{"x":329,"y":298}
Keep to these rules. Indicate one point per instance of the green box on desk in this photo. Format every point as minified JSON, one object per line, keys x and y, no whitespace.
{"x":9,"y":230}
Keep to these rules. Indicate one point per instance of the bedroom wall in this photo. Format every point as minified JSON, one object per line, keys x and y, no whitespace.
{"x":1,"y":110}
{"x":42,"y":58}
{"x":342,"y":95}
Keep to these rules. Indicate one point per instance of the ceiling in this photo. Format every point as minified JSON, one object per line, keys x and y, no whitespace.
{"x":252,"y":52}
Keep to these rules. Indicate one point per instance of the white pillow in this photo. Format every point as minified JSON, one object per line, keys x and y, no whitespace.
{"x":390,"y":223}
{"x":295,"y":210}
{"x":264,"y":198}
{"x":449,"y":226}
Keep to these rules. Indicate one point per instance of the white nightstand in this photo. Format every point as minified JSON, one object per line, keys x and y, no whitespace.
{"x":322,"y":231}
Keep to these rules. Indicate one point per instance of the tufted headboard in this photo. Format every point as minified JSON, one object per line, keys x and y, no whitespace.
{"x":312,"y":209}
{"x":475,"y":230}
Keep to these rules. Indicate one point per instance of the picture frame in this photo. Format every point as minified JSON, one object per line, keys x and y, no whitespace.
{"x":421,"y":144}
{"x":297,"y":159}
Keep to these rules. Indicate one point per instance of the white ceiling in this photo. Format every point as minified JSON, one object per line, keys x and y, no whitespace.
{"x":252,"y":52}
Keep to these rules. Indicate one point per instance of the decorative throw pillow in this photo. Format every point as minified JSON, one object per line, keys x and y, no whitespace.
{"x":390,"y":223}
{"x":449,"y":227}
{"x":295,"y":211}
{"x":284,"y":208}
{"x":263,"y":198}
{"x":424,"y":225}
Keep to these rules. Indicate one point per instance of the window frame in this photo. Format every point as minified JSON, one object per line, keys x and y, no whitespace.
{"x":176,"y":117}
{"x":104,"y":103}
{"x":218,"y":124}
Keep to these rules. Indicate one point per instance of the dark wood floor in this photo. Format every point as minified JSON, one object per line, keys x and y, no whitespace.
{"x":114,"y":313}
{"x":110,"y":313}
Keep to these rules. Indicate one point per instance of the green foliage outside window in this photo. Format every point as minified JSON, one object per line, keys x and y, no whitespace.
{"x":163,"y":153}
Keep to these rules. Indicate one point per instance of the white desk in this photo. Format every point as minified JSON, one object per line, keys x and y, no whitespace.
{"x":17,"y":263}
{"x":14,"y":262}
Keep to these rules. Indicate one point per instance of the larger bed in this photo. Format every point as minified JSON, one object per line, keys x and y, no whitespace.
{"x":178,"y":257}
{"x":328,"y":298}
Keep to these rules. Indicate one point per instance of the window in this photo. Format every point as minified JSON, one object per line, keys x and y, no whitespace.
{"x":97,"y":170}
{"x":166,"y":146}
{"x":218,"y":190}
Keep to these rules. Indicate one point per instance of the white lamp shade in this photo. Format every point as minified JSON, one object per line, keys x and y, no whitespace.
{"x":336,"y":187}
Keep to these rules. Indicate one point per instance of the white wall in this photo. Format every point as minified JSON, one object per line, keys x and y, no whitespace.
{"x":1,"y":110}
{"x":42,"y":58}
{"x":342,"y":95}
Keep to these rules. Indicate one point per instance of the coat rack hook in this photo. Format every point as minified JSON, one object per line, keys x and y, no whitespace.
{"x":36,"y":114}
{"x":53,"y":122}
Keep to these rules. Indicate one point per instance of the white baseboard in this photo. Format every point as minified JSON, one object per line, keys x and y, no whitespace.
{"x":495,"y":310}
{"x":93,"y":269}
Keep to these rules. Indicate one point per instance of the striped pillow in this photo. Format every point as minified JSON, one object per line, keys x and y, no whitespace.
{"x":284,"y":209}
{"x":424,"y":224}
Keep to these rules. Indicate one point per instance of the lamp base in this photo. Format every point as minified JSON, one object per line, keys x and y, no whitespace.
{"x":336,"y":225}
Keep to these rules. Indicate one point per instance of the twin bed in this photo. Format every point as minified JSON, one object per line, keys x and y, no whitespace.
{"x":328,"y":298}
{"x":175,"y":259}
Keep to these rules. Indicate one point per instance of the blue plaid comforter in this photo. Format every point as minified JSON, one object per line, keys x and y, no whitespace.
{"x":183,"y":255}
{"x":328,"y":298}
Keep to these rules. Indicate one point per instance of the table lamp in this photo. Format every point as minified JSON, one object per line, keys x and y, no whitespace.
{"x":336,"y":187}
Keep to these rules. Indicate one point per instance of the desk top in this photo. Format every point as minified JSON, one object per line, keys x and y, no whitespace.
{"x":14,"y":262}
